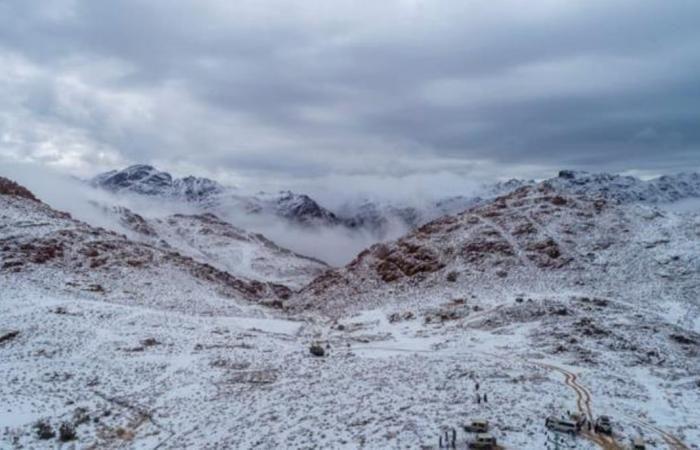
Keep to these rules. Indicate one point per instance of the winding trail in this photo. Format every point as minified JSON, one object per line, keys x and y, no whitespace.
{"x":583,"y":396}
{"x":583,"y":404}
{"x":672,"y":441}
{"x":583,"y":401}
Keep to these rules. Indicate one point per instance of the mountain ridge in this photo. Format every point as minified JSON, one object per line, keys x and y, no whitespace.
{"x":537,"y":232}
{"x":49,"y":246}
{"x":380,"y":217}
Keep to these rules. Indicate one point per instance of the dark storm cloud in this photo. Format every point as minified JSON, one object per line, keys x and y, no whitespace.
{"x":291,"y":89}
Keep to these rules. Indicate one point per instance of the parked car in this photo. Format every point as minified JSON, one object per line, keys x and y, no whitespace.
{"x":562,"y":425}
{"x":603,"y":425}
{"x":477,"y":426}
{"x":483,"y":441}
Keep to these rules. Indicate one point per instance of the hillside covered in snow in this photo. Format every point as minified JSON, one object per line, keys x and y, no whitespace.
{"x":207,"y":238}
{"x":571,"y":295}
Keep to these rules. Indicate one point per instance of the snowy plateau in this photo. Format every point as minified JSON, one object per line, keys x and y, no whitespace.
{"x":577,"y":296}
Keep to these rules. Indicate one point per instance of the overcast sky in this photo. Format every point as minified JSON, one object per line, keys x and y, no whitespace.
{"x":339,"y":92}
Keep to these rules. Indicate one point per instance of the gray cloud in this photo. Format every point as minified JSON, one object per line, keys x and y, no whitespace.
{"x":305,"y":92}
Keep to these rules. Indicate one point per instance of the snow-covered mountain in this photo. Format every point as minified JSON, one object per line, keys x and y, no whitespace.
{"x":296,"y":208}
{"x":147,"y":180}
{"x":375,"y":216}
{"x":50,"y":248}
{"x":619,"y":188}
{"x":585,"y":286}
{"x":380,"y":217}
{"x":537,"y":234}
{"x":628,"y":189}
{"x":208,"y":239}
{"x":210,"y":196}
{"x":541,"y":301}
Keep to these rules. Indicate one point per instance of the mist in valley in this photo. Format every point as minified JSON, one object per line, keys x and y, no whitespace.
{"x":335,"y":245}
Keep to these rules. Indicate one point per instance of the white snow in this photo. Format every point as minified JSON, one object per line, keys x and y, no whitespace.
{"x":160,"y":358}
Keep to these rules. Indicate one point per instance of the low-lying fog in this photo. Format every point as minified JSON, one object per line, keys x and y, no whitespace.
{"x":335,"y":245}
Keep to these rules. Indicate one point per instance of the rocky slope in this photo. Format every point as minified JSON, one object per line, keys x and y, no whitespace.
{"x":208,"y":239}
{"x":49,"y":248}
{"x":378,"y":215}
{"x":628,"y":189}
{"x":536,"y":237}
{"x":584,"y":286}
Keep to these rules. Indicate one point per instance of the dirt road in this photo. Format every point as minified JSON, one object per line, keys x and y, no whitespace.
{"x":583,"y":401}
{"x":583,"y":404}
{"x":672,"y":441}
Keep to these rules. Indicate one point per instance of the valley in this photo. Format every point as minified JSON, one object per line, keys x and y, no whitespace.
{"x":540,"y":302}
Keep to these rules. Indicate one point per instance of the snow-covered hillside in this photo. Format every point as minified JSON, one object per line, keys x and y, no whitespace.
{"x":571,"y":283}
{"x":208,"y":239}
{"x":536,"y":237}
{"x":628,"y":189}
{"x":539,"y":302}
{"x":48,"y":248}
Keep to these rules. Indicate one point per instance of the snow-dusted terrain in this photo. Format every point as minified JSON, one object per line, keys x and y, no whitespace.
{"x":209,"y":239}
{"x":542,"y":301}
{"x":376,"y":216}
{"x":208,"y":195}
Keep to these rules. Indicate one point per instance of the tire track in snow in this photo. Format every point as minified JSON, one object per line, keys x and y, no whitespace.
{"x":583,"y":404}
{"x":583,"y":397}
{"x":673,"y":442}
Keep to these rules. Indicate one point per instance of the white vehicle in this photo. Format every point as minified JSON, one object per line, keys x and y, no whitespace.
{"x":638,"y":444}
{"x":483,"y":441}
{"x":477,"y":426}
{"x":562,"y":425}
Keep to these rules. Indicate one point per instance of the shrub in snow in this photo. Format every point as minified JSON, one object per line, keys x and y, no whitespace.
{"x":317,"y":350}
{"x":66,"y":432}
{"x":44,"y":430}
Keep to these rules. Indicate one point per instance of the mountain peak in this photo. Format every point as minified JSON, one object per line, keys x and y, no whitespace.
{"x":147,"y":180}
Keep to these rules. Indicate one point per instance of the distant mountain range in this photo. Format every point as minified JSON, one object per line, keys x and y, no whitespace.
{"x":210,"y":195}
{"x":378,"y":217}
